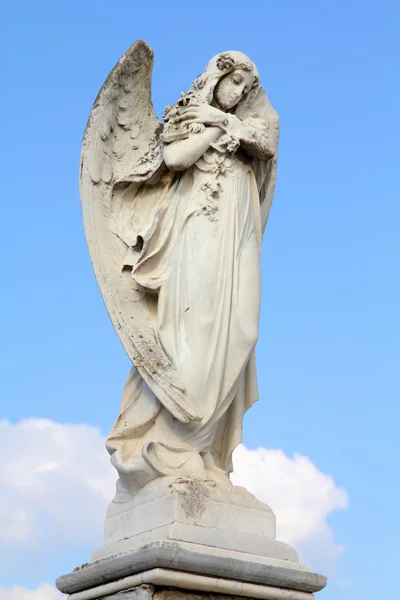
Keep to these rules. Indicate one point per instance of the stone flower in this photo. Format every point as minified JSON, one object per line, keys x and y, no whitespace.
{"x":212,"y":188}
{"x":199,"y":82}
{"x":245,"y":66}
{"x":225,"y":62}
{"x":196,"y":128}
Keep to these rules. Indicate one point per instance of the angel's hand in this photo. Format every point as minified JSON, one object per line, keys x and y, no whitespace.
{"x":202,"y":113}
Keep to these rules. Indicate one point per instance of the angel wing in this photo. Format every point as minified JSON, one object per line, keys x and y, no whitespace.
{"x":122,"y":144}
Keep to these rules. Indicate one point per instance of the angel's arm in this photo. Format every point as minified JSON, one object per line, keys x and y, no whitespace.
{"x":182,"y":154}
{"x":256,"y":136}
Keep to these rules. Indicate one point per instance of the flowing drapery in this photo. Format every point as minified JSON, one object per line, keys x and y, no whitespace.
{"x":204,"y":264}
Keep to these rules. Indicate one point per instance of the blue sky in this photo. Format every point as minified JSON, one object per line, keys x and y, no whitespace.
{"x":329,"y":336}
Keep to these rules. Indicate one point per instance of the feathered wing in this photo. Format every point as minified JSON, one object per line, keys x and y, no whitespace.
{"x":121,"y":147}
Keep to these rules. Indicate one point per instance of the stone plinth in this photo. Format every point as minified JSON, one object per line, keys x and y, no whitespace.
{"x":193,"y":511}
{"x":197,"y":536}
{"x":191,"y":567}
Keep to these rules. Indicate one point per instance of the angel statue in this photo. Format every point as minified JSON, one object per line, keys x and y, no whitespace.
{"x":174,"y":215}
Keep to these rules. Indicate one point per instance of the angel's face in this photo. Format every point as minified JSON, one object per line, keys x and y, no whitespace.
{"x":231,"y":88}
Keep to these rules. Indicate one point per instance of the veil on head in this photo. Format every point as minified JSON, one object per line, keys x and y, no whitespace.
{"x":254,"y":108}
{"x":203,"y":90}
{"x":218,"y":67}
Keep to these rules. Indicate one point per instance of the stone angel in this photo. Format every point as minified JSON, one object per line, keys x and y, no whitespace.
{"x":174,"y":215}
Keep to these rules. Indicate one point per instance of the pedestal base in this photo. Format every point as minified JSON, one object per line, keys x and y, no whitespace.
{"x":192,"y":535}
{"x":191,"y":567}
{"x":165,"y":584}
{"x":197,"y":512}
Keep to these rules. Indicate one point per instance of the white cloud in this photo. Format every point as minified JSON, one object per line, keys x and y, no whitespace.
{"x":44,"y":592}
{"x":300,"y":495}
{"x":57,"y":482}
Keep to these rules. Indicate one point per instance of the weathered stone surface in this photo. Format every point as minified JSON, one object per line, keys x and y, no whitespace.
{"x":141,"y":592}
{"x":195,"y":559}
{"x":174,"y":594}
{"x":167,"y":584}
{"x":194,"y":511}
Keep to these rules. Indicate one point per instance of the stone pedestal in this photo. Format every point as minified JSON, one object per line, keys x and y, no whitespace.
{"x":195,"y":511}
{"x":196,"y":536}
{"x":94,"y":582}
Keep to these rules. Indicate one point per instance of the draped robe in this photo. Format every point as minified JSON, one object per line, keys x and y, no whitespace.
{"x":203,"y":265}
